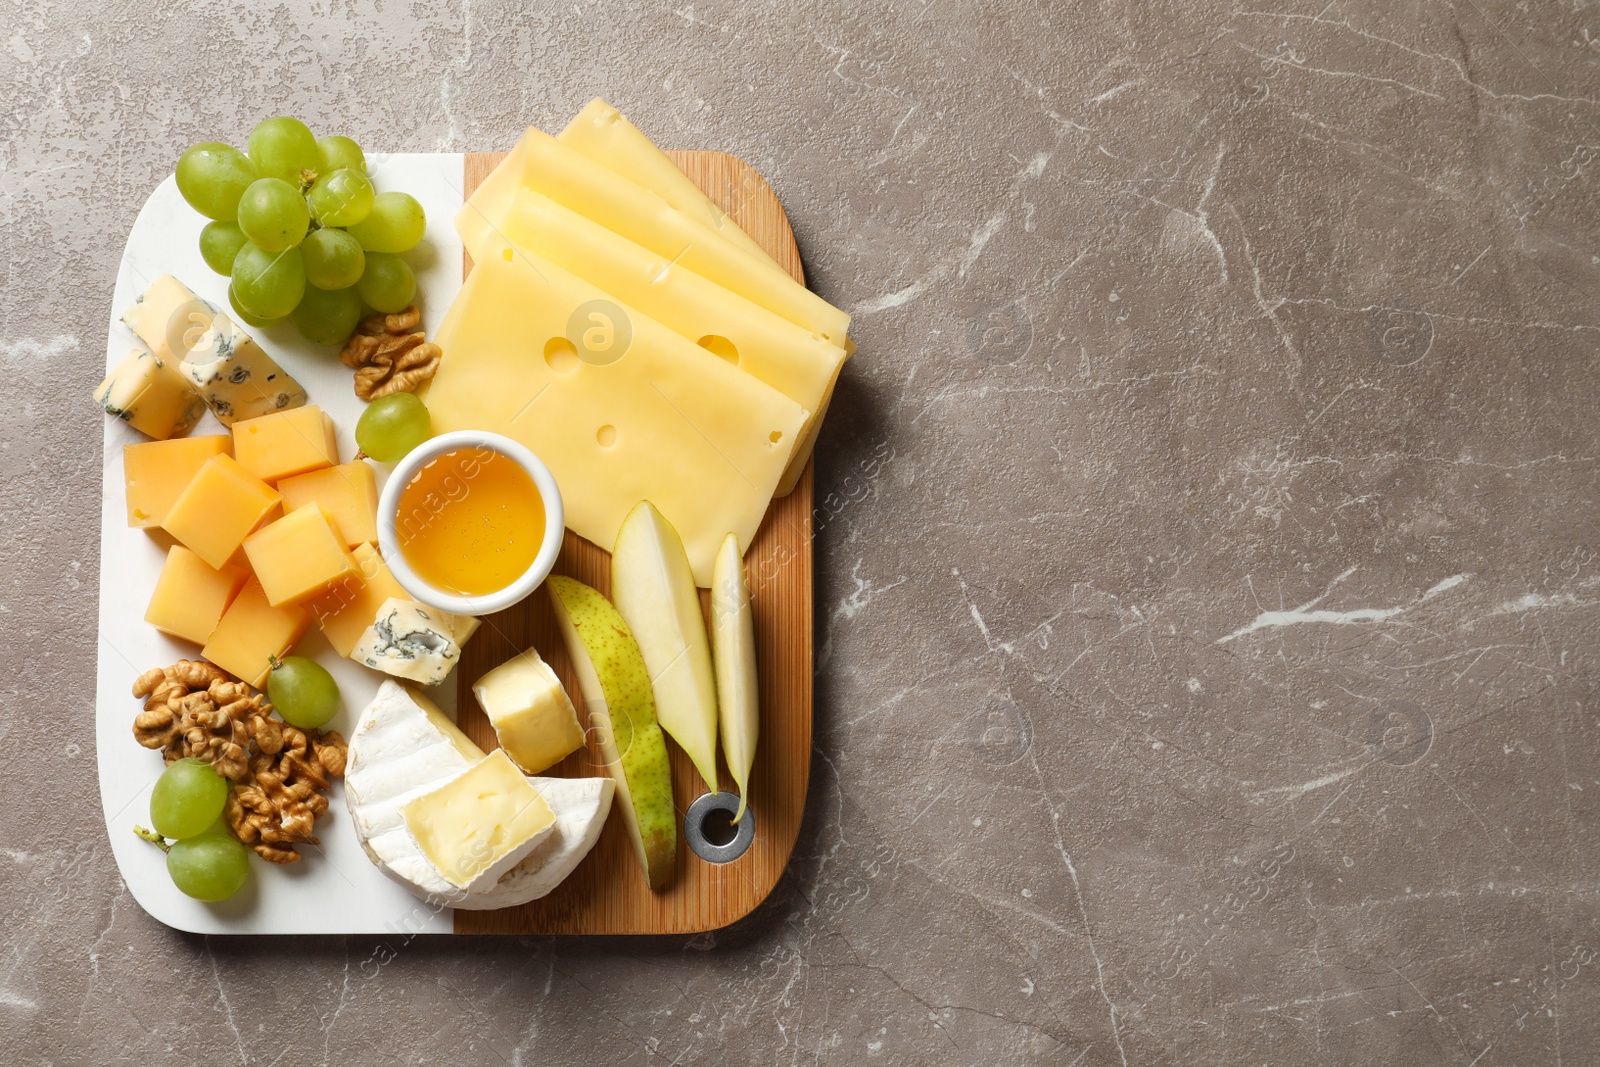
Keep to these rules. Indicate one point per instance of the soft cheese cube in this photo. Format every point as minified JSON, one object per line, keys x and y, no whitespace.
{"x":190,"y":595}
{"x":252,"y":633}
{"x":156,"y":472}
{"x":151,"y":396}
{"x":285,"y":443}
{"x":349,"y":492}
{"x":413,"y":641}
{"x":221,"y":506}
{"x":530,"y":711}
{"x":299,"y":556}
{"x":479,"y":824}
{"x":235,"y":377}
{"x":169,"y":319}
{"x":347,"y":607}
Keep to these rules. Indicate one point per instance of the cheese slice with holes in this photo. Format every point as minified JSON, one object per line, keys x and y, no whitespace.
{"x":561,"y":172}
{"x":646,"y":416}
{"x":798,"y":363}
{"x":602,"y":134}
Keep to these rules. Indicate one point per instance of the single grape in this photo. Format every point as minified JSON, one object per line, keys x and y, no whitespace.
{"x":387,"y":284}
{"x":303,"y":691}
{"x":219,"y":243}
{"x":209,"y":866}
{"x":333,"y":258}
{"x":335,"y":152}
{"x":342,"y":198}
{"x":394,"y":224}
{"x":246,"y":316}
{"x":392,"y":426}
{"x":273,"y":214}
{"x":283,"y":147}
{"x":212,"y":176}
{"x":187,"y":798}
{"x":268,"y":284}
{"x":327,"y":316}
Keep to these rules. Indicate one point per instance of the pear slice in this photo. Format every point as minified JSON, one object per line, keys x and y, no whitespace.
{"x":733,"y":633}
{"x":622,"y":715}
{"x":654,"y":590}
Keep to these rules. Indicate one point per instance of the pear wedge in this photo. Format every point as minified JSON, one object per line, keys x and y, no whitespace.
{"x":622,"y":717}
{"x":733,"y":634}
{"x":654,"y":590}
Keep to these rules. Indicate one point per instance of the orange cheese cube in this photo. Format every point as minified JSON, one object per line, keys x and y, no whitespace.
{"x":191,"y":596}
{"x":221,"y":506}
{"x":285,"y":443}
{"x":348,"y":607}
{"x":349,"y":492}
{"x":157,"y":471}
{"x":252,"y":633}
{"x":299,"y":556}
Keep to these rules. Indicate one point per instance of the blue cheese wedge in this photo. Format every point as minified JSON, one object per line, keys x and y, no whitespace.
{"x":235,"y":377}
{"x":151,"y":396}
{"x":169,"y":319}
{"x":413,"y":641}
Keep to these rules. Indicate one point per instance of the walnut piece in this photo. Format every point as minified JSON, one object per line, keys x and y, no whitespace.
{"x":277,"y":806}
{"x":390,"y":355}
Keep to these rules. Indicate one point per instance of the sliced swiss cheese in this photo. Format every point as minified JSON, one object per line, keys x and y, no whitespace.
{"x":561,"y":172}
{"x":798,"y":363}
{"x":602,"y":134}
{"x":666,"y":422}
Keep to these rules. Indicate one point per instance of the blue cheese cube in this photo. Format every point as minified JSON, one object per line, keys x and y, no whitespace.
{"x":235,"y":377}
{"x":169,"y":319}
{"x":413,"y":641}
{"x":151,"y":396}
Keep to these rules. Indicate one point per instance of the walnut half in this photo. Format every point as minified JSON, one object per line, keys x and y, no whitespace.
{"x":390,"y":355}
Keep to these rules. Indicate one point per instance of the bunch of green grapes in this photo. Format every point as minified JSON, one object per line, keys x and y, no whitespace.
{"x":300,"y":229}
{"x":204,"y":860}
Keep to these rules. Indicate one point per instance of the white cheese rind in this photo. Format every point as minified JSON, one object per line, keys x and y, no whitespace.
{"x":235,"y":377}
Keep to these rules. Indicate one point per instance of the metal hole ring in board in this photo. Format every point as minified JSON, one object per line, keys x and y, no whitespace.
{"x":694,"y":822}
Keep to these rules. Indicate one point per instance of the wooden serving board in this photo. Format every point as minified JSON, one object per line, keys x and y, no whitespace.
{"x":607,"y":894}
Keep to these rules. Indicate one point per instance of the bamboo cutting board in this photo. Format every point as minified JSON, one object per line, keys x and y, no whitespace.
{"x":607,"y":894}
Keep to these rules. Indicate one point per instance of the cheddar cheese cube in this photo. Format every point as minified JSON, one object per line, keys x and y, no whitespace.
{"x":151,"y":396}
{"x":221,"y":506}
{"x":252,"y":633}
{"x":191,"y":596}
{"x":156,"y":472}
{"x":346,"y":608}
{"x":348,"y":491}
{"x":285,"y":443}
{"x":299,"y":556}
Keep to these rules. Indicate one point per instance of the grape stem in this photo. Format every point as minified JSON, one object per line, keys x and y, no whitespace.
{"x":152,"y":837}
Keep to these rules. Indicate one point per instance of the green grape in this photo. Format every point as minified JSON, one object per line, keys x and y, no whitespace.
{"x":395,"y":224}
{"x":392,"y":426}
{"x":342,"y":198}
{"x":219,"y":243}
{"x":335,"y":152}
{"x":387,"y":284}
{"x":209,"y":866}
{"x":212,"y":176}
{"x":188,"y":797}
{"x":282,"y":148}
{"x":333,"y":259}
{"x":273,"y":214}
{"x":327,"y":316}
{"x":247,"y":317}
{"x":303,"y":691}
{"x":268,"y":284}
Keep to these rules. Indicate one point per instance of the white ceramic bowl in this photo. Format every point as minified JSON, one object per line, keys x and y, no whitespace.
{"x":389,"y":507}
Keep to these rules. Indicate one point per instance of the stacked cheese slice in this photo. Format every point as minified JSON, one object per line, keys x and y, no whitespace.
{"x":617,"y":323}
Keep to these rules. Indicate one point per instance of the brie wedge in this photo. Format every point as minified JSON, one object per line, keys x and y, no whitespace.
{"x":404,"y":747}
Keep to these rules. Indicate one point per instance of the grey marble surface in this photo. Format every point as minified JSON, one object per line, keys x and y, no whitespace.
{"x":1208,"y":575}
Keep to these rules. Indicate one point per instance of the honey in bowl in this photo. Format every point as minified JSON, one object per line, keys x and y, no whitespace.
{"x":470,"y":522}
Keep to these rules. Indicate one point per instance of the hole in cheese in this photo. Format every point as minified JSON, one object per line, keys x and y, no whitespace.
{"x":607,"y":436}
{"x":507,"y":255}
{"x":561,"y":354}
{"x":775,"y":436}
{"x":720,"y":346}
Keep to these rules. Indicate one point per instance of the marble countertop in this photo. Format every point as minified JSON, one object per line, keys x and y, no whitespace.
{"x":1207,"y":537}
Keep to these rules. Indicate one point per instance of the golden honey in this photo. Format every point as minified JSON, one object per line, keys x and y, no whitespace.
{"x":470,"y":522}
